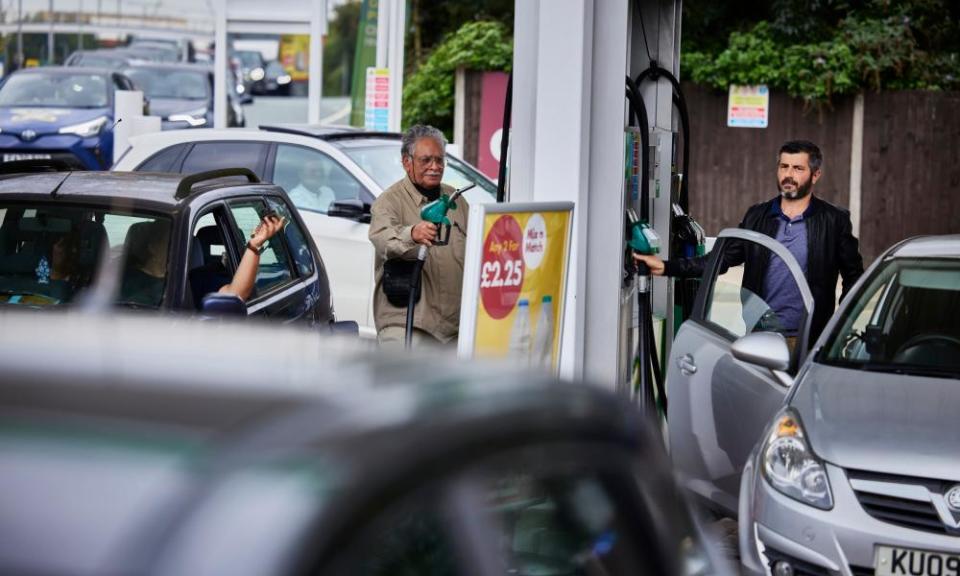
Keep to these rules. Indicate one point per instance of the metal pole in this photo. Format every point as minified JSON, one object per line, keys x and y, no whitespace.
{"x":19,"y":62}
{"x":318,"y":27}
{"x":80,"y":26}
{"x":51,"y":56}
{"x":221,"y":54}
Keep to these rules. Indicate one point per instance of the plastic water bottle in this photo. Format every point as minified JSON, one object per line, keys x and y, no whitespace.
{"x":520,"y":334}
{"x":542,"y":351}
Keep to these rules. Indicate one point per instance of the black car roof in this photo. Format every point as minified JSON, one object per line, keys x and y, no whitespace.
{"x":330,"y":132}
{"x":159,"y":188}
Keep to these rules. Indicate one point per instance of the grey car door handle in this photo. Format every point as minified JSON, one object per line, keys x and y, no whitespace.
{"x":686,"y":365}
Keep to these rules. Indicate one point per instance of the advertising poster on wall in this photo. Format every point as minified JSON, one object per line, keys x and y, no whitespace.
{"x":515,"y":278}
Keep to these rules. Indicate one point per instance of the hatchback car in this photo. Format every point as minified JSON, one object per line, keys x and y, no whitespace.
{"x":852,"y":467}
{"x":61,"y":113}
{"x":154,"y":242}
{"x":129,"y":445}
{"x":356,"y":165}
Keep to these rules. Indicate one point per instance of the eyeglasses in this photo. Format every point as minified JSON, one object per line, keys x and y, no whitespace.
{"x":425,"y":161}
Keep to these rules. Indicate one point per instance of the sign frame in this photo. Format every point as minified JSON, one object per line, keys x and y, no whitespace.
{"x":473,"y":259}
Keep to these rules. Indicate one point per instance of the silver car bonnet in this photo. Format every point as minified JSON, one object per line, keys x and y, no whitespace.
{"x":874,"y":421}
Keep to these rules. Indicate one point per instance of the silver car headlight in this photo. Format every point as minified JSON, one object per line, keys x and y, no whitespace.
{"x":86,"y":129}
{"x":194,"y":118}
{"x":791,"y":467}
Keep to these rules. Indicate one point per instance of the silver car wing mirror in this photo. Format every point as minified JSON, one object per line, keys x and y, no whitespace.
{"x":765,"y":349}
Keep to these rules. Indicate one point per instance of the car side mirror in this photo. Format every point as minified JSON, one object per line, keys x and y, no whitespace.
{"x":219,"y":304}
{"x":767,"y":350}
{"x":349,"y":209}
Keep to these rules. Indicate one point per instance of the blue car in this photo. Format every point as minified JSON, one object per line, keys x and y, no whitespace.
{"x":60,"y":113}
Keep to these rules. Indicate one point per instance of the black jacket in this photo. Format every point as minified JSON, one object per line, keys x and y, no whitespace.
{"x":832,"y":250}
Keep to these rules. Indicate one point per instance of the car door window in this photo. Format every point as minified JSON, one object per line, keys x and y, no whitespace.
{"x":163,"y":161}
{"x":299,"y":248}
{"x":312,"y":179}
{"x":274,"y":269}
{"x":758,"y":296}
{"x":210,"y":266}
{"x":215,"y":155}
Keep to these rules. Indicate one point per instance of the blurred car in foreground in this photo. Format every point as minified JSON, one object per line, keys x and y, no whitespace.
{"x":850,"y":467}
{"x":182,"y":94}
{"x":351,"y":165}
{"x":60,"y":112}
{"x":130,"y":445}
{"x":163,"y":241}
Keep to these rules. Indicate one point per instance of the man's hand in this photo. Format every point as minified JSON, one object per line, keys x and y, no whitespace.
{"x":424,"y":233}
{"x":653,"y":263}
{"x":269,"y":226}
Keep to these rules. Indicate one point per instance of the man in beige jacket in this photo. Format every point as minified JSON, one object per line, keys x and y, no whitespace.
{"x":397,"y":231}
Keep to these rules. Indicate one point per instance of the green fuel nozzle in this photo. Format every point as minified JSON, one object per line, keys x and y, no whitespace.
{"x":641,"y":238}
{"x":436,"y":212}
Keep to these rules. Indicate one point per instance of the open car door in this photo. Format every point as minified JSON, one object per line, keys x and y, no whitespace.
{"x":719,"y":406}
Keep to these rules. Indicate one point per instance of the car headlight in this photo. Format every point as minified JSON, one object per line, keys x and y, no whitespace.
{"x":194,"y":118}
{"x":256,"y":74}
{"x":791,"y":467}
{"x":284,"y":79}
{"x":86,"y":129}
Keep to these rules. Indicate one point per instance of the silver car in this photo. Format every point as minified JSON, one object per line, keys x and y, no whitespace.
{"x":853,"y":466}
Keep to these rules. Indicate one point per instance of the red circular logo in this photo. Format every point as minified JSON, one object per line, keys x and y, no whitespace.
{"x":501,"y":271}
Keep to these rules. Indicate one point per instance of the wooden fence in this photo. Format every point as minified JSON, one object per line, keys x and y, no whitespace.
{"x":910,"y":161}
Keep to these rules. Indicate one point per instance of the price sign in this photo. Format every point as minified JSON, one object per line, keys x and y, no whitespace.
{"x":515,"y":281}
{"x":501,"y":270}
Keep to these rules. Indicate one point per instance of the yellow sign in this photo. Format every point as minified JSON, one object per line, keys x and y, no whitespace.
{"x":294,"y":55}
{"x":748,"y":107}
{"x":515,"y":282}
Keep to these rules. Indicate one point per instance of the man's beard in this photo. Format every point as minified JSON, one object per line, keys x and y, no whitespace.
{"x":799,"y":192}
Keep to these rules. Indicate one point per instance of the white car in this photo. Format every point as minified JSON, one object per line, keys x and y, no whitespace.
{"x":356,"y":167}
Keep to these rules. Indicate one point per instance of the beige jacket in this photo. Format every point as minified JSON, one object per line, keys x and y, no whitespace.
{"x":394,"y":214}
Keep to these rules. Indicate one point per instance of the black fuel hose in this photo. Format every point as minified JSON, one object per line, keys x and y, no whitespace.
{"x":412,"y":299}
{"x":505,"y":142}
{"x":680,"y":101}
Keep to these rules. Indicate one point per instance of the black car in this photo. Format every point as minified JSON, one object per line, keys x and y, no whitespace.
{"x":182,"y":94}
{"x":210,"y":448}
{"x":153,"y":241}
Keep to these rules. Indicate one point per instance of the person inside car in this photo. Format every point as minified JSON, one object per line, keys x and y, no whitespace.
{"x":144,"y":279}
{"x":311,"y":193}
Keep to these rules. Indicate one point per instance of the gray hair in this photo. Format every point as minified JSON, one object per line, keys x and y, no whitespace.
{"x":415,"y":133}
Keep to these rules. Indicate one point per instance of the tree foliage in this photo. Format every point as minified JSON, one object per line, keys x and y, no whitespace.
{"x":817,"y":49}
{"x":428,"y":94}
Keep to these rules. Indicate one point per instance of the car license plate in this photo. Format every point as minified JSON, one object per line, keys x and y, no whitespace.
{"x":890,"y":561}
{"x":12,"y":157}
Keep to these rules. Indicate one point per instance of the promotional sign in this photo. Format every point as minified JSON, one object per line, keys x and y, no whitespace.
{"x":493,"y":97}
{"x":515,"y":278}
{"x":748,"y":107}
{"x":377,"y":110}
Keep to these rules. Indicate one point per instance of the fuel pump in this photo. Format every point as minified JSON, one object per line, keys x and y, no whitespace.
{"x":687,"y":236}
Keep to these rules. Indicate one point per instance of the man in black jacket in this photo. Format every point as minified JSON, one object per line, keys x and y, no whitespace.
{"x":818,"y":234}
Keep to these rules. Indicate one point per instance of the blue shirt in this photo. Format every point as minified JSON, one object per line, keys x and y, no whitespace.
{"x":780,"y":291}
